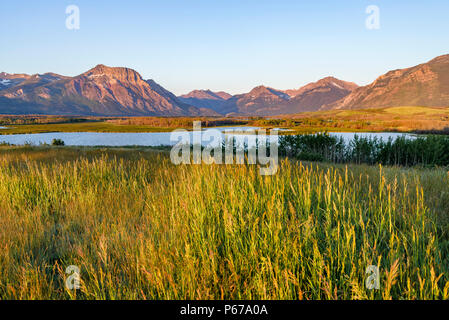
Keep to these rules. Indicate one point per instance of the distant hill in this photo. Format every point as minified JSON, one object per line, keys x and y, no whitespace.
{"x":259,"y":101}
{"x":423,"y":85}
{"x":206,"y":99}
{"x":314,"y":95}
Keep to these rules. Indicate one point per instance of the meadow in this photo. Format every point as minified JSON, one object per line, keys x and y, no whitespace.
{"x":44,"y":124}
{"x":393,"y":119}
{"x":139,"y":227}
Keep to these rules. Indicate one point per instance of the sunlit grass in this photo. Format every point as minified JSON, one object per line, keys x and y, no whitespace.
{"x":417,"y":110}
{"x":394,"y":119}
{"x":140,"y":228}
{"x":80,"y":127}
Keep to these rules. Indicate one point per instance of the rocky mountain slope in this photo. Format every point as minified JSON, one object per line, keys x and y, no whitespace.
{"x":423,"y":85}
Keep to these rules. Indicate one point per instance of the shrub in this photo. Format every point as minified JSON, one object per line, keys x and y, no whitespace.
{"x":428,"y":150}
{"x":57,"y":142}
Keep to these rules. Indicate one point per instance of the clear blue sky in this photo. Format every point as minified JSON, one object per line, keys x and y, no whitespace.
{"x":231,"y":45}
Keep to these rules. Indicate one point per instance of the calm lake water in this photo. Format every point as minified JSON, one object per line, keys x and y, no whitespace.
{"x":152,"y":138}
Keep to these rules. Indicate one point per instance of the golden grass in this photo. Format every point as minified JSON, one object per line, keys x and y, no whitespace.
{"x":44,"y":124}
{"x":394,"y":119}
{"x":140,"y":228}
{"x":417,"y":111}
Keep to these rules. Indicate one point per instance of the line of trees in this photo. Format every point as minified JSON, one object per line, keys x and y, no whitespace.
{"x":402,"y":151}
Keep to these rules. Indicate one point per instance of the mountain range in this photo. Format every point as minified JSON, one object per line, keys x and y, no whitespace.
{"x":108,"y":91}
{"x":265,"y":101}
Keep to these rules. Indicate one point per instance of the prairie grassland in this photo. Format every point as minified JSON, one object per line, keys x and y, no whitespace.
{"x":88,"y":126}
{"x":393,"y":119}
{"x":44,"y":124}
{"x":141,"y":228}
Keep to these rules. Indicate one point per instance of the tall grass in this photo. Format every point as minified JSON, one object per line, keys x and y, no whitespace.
{"x":140,"y":228}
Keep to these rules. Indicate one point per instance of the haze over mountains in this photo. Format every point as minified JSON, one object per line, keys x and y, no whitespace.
{"x":106,"y":91}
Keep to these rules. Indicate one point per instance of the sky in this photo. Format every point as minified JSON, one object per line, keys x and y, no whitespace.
{"x":224,"y":45}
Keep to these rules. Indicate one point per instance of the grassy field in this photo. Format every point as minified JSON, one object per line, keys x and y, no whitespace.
{"x":45,"y":124}
{"x":395,"y":119}
{"x":140,"y":228}
{"x":80,"y":127}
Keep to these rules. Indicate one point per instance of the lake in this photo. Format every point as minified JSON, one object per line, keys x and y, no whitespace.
{"x":152,"y":139}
